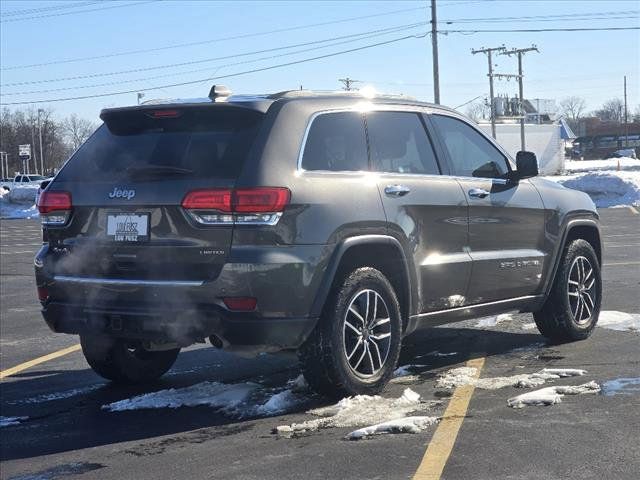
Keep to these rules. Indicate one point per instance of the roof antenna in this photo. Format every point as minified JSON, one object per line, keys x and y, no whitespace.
{"x":219,"y":93}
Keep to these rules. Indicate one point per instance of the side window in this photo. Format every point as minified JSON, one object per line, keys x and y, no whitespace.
{"x":336,"y":141}
{"x":471,"y":154}
{"x":400,"y":144}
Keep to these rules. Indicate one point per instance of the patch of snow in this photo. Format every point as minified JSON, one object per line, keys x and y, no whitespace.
{"x":400,"y":425}
{"x":493,"y":321}
{"x":405,"y":370}
{"x":625,"y":386}
{"x":467,"y":376}
{"x":528,"y":326}
{"x":532,"y":347}
{"x":19,"y":202}
{"x":278,"y":403}
{"x":7,"y":421}
{"x":358,"y":411}
{"x":551,"y":395}
{"x":625,"y":163}
{"x":48,"y":397}
{"x":607,"y":188}
{"x":625,"y":322}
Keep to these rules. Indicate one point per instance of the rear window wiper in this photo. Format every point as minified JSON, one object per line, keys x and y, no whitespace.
{"x":156,"y":171}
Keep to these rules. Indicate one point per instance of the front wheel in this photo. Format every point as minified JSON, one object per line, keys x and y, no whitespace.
{"x":125,"y":361}
{"x":572,"y":309}
{"x":355,"y":346}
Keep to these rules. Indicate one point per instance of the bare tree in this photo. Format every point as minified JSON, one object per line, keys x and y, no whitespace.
{"x":477,"y":111}
{"x":77,"y":130}
{"x":611,"y":111}
{"x":572,"y":108}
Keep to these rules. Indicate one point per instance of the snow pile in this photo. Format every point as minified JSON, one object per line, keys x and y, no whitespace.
{"x":606,"y":188}
{"x":400,"y":425}
{"x":624,"y":386}
{"x":493,"y":321}
{"x":467,"y":376}
{"x":625,"y":163}
{"x":359,"y":411}
{"x":551,"y":395}
{"x":7,"y":421}
{"x":625,"y":322}
{"x":19,"y":202}
{"x":241,"y":400}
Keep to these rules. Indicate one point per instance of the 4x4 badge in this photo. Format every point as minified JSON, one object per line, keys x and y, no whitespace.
{"x":119,"y":193}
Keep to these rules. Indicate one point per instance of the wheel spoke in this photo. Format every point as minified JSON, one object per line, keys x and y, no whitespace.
{"x":364,"y":352}
{"x":366,"y":312}
{"x":573,"y":294}
{"x":352,"y":327}
{"x":591,"y":284}
{"x":589,"y":273}
{"x":382,"y":336}
{"x":358,"y":343}
{"x":588,"y":296}
{"x":574,"y":283}
{"x":355,"y":312}
{"x":586,"y":305}
{"x":380,"y":321}
{"x":373,"y":367}
{"x":375,"y":308}
{"x":579,"y":309}
{"x":377,"y":352}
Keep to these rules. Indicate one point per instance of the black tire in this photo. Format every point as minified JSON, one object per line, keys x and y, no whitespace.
{"x":559,"y":319}
{"x":123,"y":361}
{"x":324,"y":357}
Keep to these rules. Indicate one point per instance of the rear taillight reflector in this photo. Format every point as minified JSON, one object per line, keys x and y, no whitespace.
{"x":54,"y":201}
{"x":240,"y":304}
{"x":260,"y":200}
{"x":211,"y":199}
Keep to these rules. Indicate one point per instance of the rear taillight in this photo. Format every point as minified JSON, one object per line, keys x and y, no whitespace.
{"x":247,"y":206}
{"x":54,"y":207}
{"x":240,"y":304}
{"x":43,"y":294}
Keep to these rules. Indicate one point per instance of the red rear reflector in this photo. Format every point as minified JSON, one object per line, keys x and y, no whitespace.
{"x":166,"y":113}
{"x":43,"y":294}
{"x":245,"y":200}
{"x":54,"y":201}
{"x":259,"y":200}
{"x":244,"y":304}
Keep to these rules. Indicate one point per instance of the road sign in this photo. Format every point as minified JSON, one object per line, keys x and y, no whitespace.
{"x":24,"y":150}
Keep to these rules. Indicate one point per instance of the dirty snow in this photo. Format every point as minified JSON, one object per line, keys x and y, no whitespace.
{"x":493,"y":321}
{"x":624,"y":386}
{"x":467,"y":376}
{"x":7,"y":421}
{"x":607,"y":188}
{"x":551,"y":395}
{"x":237,"y":399}
{"x":400,"y":425}
{"x":19,"y":202}
{"x":358,"y":411}
{"x":625,"y":163}
{"x":48,"y":397}
{"x":625,"y":322}
{"x":405,"y":370}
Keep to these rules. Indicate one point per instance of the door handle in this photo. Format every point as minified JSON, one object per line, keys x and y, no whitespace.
{"x":396,"y":190}
{"x":478,"y":193}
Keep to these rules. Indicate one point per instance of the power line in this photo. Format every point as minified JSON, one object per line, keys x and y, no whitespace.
{"x":205,"y":69}
{"x":213,"y":40}
{"x":568,"y":16}
{"x":60,"y":14}
{"x":33,"y":11}
{"x":536,"y":30}
{"x":236,"y":74}
{"x":211,"y":59}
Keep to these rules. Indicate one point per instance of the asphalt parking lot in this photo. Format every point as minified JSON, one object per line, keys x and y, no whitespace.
{"x":65,"y":431}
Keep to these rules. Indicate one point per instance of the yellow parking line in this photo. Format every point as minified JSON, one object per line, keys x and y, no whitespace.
{"x":37,"y":361}
{"x":634,"y":210}
{"x":444,"y":438}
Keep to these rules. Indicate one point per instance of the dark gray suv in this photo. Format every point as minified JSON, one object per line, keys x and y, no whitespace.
{"x":329,"y":223}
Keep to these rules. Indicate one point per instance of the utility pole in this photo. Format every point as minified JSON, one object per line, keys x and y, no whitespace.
{"x":626,"y":124}
{"x":434,"y":50}
{"x":520,"y":52}
{"x":140,"y":97}
{"x":348,"y":83}
{"x":33,"y":150}
{"x":2,"y":156}
{"x":40,"y":111}
{"x":489,"y":51}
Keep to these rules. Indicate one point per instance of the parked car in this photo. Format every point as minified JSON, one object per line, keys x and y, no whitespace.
{"x":22,"y":179}
{"x":327,"y":223}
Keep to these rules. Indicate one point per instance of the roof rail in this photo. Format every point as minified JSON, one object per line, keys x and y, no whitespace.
{"x":346,"y":93}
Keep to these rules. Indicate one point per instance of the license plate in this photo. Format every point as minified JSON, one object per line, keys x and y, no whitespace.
{"x":126,"y":227}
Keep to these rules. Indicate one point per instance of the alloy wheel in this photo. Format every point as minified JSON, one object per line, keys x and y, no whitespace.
{"x":581,"y":290}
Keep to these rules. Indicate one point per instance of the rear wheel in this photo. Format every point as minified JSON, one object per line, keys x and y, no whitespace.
{"x":572,"y":309}
{"x":124,"y":361}
{"x":355,"y":346}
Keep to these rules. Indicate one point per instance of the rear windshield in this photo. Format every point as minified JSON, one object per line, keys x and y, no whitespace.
{"x":195,"y":143}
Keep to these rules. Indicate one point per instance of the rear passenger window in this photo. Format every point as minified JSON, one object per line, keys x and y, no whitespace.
{"x":471,"y":154}
{"x":336,"y":141}
{"x":400,"y":144}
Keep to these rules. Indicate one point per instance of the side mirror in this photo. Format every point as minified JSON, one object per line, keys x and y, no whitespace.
{"x":526,"y":165}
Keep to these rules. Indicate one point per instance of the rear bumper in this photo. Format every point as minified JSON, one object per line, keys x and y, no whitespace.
{"x":181,"y":325}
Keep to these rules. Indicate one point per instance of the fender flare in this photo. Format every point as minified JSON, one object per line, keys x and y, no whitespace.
{"x":576,"y":222}
{"x":339,"y":252}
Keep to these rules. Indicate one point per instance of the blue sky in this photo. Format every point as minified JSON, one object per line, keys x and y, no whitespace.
{"x":588,"y":64}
